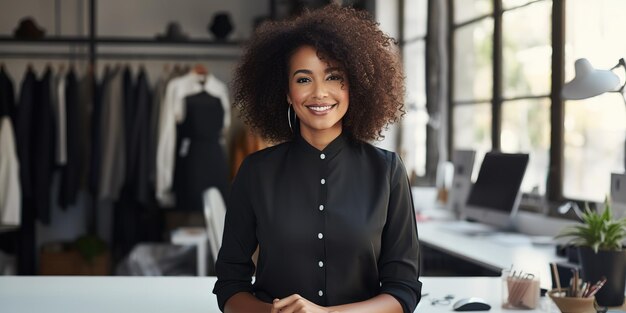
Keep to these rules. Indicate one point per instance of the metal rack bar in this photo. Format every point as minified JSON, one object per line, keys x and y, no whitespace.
{"x":117,"y":56}
{"x":120,"y":41}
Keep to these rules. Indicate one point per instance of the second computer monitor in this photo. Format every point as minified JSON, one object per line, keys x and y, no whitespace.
{"x":495,"y":195}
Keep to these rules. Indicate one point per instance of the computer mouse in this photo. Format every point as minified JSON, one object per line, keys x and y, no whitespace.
{"x":471,"y":304}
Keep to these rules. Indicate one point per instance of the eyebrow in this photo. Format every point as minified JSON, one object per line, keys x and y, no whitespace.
{"x":309,"y":72}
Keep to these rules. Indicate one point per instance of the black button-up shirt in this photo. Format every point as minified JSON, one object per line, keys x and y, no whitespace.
{"x":335,"y":226}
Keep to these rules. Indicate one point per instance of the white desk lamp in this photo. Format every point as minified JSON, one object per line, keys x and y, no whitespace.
{"x":590,"y":82}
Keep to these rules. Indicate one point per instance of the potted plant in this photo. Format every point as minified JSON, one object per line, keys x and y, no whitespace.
{"x":599,"y":240}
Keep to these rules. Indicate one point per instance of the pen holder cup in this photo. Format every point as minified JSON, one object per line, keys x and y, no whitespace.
{"x":572,"y":304}
{"x":520,"y":293}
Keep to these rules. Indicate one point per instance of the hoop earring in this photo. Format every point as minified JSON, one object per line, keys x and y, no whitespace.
{"x":289,"y":117}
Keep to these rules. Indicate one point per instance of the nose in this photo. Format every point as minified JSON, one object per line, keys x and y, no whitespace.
{"x":320,"y":91}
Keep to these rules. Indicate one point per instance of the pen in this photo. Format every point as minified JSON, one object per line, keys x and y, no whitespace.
{"x":597,"y":287}
{"x":584,"y":289}
{"x":556,"y":277}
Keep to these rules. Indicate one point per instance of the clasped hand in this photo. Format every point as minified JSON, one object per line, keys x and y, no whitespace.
{"x":297,"y":304}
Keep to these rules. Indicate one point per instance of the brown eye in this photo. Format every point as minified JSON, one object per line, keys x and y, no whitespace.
{"x":335,"y":77}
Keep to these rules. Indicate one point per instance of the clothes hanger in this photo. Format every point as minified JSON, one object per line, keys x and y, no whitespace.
{"x":202,"y":72}
{"x":200,"y":69}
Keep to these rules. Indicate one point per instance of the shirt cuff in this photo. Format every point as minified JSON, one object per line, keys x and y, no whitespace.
{"x":224,"y":291}
{"x":408,"y":293}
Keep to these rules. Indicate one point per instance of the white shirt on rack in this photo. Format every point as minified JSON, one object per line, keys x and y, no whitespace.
{"x":173,"y":112}
{"x":10,"y":193}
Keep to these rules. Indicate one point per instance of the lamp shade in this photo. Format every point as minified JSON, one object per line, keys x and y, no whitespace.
{"x":589,"y":82}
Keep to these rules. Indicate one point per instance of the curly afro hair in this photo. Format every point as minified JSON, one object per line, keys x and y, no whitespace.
{"x":350,"y":37}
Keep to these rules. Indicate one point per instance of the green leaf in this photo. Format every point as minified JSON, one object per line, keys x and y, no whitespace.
{"x":599,"y":231}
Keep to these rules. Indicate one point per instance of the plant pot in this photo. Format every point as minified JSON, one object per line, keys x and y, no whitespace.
{"x":609,"y":264}
{"x":571,"y":304}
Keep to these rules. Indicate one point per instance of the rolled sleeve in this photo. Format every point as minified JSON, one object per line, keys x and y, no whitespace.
{"x":234,"y":266}
{"x":399,"y":259}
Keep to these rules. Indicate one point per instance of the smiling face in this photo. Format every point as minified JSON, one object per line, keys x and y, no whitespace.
{"x":318,"y":91}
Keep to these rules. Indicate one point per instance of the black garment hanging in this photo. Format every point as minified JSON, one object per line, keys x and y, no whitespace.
{"x":85,"y":107}
{"x":96,"y":134}
{"x":139,"y":139}
{"x":134,"y":219}
{"x":70,"y":173}
{"x":129,"y":106}
{"x":43,"y":147}
{"x":7,"y":94}
{"x":200,"y":159}
{"x":24,"y":127}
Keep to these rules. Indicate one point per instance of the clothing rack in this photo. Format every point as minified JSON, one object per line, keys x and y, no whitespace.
{"x":224,"y":50}
{"x":116,"y":56}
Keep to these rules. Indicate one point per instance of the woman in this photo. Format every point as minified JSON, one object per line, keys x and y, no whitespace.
{"x":331,"y":214}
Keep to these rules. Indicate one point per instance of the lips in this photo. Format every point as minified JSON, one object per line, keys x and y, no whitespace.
{"x":321,"y":108}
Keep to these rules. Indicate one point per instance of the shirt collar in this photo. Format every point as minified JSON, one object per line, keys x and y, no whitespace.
{"x":332,"y":149}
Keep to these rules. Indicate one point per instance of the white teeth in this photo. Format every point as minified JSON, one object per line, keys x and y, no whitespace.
{"x":320,"y":109}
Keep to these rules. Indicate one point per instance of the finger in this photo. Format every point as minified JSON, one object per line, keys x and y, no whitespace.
{"x":274,"y":309}
{"x":286,"y":301}
{"x":298,"y":305}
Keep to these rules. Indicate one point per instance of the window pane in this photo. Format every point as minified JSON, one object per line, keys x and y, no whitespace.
{"x":595,"y":127}
{"x":415,"y":18}
{"x":472,"y":129}
{"x":527,"y":50}
{"x":472,"y":126}
{"x":508,"y":4}
{"x":465,"y":10}
{"x":473,"y":55}
{"x":526,"y":129}
{"x":413,"y":146}
{"x":415,"y":71}
{"x":594,"y":146}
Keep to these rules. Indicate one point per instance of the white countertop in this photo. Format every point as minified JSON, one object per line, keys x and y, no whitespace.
{"x":65,"y":294}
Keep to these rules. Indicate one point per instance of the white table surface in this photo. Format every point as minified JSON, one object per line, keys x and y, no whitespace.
{"x":489,"y":251}
{"x":65,"y":294}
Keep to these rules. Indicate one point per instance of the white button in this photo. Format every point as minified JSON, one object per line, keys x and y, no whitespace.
{"x":323,"y":181}
{"x":321,"y":264}
{"x":322,"y":156}
{"x":320,"y":293}
{"x":320,"y":235}
{"x":321,"y":207}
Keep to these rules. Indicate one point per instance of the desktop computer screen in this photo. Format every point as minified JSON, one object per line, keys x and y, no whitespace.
{"x":495,"y":195}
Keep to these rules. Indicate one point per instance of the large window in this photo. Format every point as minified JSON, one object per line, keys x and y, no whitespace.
{"x":472,"y":81}
{"x":512,"y":114}
{"x":595,"y":127}
{"x":414,"y":125}
{"x":526,"y":72}
{"x":502,"y":89}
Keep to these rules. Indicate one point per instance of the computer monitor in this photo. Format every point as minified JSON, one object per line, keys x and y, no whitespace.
{"x":495,"y":195}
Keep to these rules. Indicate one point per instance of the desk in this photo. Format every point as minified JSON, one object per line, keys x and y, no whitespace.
{"x":487,"y":253}
{"x":52,"y":294}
